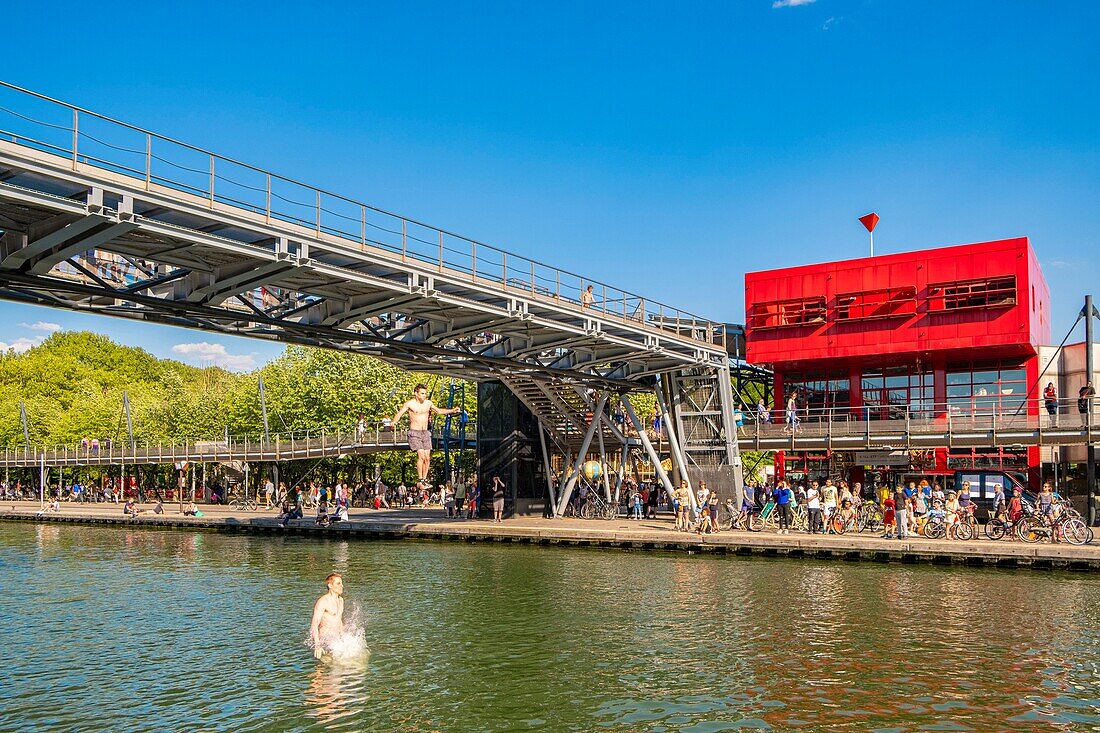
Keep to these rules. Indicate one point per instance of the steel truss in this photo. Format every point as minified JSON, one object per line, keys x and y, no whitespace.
{"x":91,"y":233}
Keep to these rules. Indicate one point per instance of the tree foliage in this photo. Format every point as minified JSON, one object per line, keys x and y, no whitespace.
{"x":72,"y":386}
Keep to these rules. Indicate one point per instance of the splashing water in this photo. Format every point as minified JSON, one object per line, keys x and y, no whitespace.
{"x":351,"y":644}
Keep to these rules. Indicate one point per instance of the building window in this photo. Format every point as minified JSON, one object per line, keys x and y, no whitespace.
{"x":992,"y":292}
{"x":896,"y":393}
{"x":876,"y":304}
{"x":781,"y":313}
{"x":823,"y":395}
{"x":985,"y":389}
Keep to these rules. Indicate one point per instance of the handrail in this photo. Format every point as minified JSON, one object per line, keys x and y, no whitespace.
{"x":612,"y":300}
{"x":1002,"y":407}
{"x":341,"y":433}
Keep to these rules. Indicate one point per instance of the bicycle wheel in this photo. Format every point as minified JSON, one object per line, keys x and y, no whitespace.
{"x":935,"y":530}
{"x":840,"y":526}
{"x":1075,"y":531}
{"x":586,"y":510}
{"x":995,"y":529}
{"x":1030,"y":529}
{"x":756,"y":523}
{"x":234,"y":504}
{"x":964,"y":531}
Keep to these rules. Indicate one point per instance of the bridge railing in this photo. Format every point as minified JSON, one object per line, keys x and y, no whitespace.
{"x":975,"y":413}
{"x":85,"y":137}
{"x":283,"y":446}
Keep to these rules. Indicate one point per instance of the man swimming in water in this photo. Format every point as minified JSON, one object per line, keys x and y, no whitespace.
{"x":420,"y":410}
{"x":328,"y":616}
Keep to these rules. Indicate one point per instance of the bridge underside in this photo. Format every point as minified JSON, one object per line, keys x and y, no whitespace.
{"x":89,"y":232}
{"x":106,"y":244}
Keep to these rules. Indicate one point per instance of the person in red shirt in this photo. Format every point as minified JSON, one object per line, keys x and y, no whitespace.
{"x":1015,"y":507}
{"x":888,"y":519}
{"x":1050,"y":400}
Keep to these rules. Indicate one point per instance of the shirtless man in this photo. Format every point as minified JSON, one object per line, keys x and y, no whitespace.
{"x":328,"y":616}
{"x":420,"y":410}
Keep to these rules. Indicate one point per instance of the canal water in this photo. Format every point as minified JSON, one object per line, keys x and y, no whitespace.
{"x":108,"y":629}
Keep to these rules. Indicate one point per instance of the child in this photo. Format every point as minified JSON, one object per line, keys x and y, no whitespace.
{"x":888,"y":520}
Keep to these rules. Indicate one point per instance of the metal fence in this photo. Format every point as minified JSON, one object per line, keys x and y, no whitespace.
{"x":295,"y":445}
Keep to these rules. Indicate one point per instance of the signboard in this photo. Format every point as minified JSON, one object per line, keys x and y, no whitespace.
{"x":882,"y":458}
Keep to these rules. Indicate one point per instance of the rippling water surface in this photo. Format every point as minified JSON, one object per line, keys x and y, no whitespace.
{"x":131,"y":630}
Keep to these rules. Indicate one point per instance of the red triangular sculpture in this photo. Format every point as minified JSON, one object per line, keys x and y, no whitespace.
{"x":869,"y":221}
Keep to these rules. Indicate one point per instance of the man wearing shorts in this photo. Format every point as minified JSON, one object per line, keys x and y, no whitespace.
{"x":420,"y":410}
{"x":328,"y":616}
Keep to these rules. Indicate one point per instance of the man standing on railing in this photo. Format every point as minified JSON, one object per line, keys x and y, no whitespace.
{"x":1085,"y":396}
{"x":1050,"y":399}
{"x":420,"y":410}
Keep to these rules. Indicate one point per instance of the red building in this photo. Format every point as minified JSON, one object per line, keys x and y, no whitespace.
{"x":949,"y":330}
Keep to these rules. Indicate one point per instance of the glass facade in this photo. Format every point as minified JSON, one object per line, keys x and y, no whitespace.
{"x":888,"y":394}
{"x":984,"y":389}
{"x":825,"y":394}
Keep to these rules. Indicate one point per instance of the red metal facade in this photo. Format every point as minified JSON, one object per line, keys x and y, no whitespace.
{"x":930,"y":312}
{"x":876,"y":307}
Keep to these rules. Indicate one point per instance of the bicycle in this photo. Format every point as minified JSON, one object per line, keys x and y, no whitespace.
{"x":596,"y":507}
{"x":935,"y":526}
{"x":246,"y":503}
{"x":998,"y":526}
{"x":870,"y":516}
{"x":965,"y":527}
{"x":1034,"y":528}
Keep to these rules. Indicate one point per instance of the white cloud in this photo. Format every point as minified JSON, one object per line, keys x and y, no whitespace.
{"x":42,"y":326}
{"x":20,"y":344}
{"x":205,"y":353}
{"x":791,"y":3}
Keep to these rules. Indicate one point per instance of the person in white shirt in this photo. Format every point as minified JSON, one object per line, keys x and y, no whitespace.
{"x":813,"y":507}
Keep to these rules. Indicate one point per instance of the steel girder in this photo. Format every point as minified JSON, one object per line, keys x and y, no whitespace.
{"x":80,"y":237}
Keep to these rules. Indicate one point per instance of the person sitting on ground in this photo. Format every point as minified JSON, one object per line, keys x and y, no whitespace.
{"x":158,"y":508}
{"x":52,"y":507}
{"x":341,"y":513}
{"x":846,"y":517}
{"x":192,"y":510}
{"x":290,"y":510}
{"x":323,"y":519}
{"x":130,"y":508}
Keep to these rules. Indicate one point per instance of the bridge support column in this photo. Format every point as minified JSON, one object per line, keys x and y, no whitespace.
{"x":648,"y":445}
{"x":567,"y":488}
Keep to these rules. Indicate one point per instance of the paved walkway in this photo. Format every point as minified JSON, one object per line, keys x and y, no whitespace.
{"x":657,"y":534}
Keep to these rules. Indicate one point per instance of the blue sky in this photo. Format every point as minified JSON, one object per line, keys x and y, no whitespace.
{"x":664,"y":148}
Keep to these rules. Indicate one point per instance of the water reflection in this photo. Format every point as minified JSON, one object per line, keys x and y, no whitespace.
{"x":336,"y":691}
{"x":208,"y":629}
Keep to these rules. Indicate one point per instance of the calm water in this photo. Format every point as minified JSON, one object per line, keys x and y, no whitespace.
{"x":108,"y":629}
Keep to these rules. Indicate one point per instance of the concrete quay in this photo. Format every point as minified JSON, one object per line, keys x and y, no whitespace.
{"x":625,"y":534}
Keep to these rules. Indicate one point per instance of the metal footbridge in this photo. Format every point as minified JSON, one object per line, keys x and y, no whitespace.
{"x":306,"y":445}
{"x":1028,"y":422}
{"x":102,"y":216}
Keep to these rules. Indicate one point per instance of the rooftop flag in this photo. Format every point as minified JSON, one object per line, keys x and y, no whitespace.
{"x":869,"y":221}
